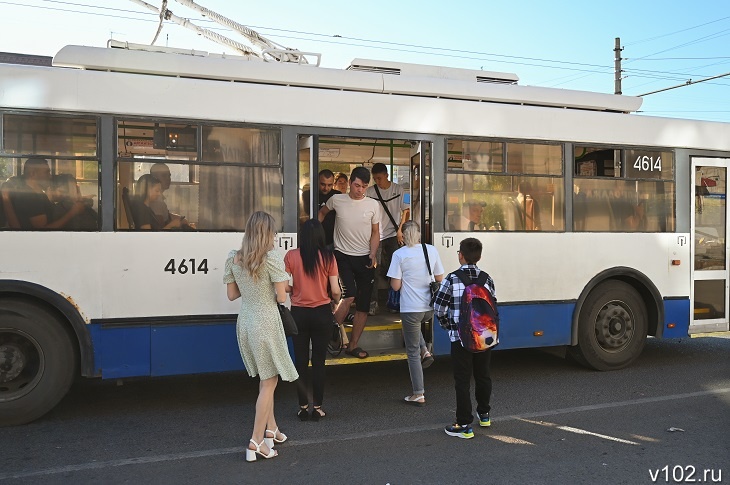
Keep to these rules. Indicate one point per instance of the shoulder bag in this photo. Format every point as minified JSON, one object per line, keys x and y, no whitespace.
{"x":433,"y":285}
{"x":287,"y":320}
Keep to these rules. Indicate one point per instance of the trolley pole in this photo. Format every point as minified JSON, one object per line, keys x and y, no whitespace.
{"x":617,"y":66}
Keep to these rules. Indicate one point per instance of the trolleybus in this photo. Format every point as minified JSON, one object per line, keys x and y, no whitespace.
{"x":601,"y":227}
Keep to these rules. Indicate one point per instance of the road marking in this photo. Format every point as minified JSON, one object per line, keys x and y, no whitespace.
{"x":598,"y":435}
{"x":571,"y":429}
{"x":373,"y":434}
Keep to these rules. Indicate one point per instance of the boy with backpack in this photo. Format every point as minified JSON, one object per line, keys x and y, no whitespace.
{"x":466,"y":307}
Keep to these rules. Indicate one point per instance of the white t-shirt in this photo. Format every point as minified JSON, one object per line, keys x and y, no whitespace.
{"x":393,"y":197}
{"x":409,"y":266}
{"x":353,"y":223}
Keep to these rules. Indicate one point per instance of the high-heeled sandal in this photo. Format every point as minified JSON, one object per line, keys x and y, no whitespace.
{"x":273,"y":439}
{"x":251,"y":454}
{"x":317,"y":413}
{"x":303,"y":413}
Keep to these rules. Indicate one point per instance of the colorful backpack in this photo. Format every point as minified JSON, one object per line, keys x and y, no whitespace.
{"x":478,"y":315}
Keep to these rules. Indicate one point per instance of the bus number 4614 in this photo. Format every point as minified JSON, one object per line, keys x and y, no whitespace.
{"x":648,"y":164}
{"x":187,"y":265}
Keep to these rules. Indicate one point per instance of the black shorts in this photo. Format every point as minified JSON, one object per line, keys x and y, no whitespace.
{"x":357,"y":279}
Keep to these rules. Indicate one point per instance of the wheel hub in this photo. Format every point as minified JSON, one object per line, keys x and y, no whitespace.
{"x":12,"y":362}
{"x":614,"y":326}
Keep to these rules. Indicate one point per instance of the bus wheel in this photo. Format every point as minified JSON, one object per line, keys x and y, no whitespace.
{"x":37,"y":362}
{"x":612,"y":327}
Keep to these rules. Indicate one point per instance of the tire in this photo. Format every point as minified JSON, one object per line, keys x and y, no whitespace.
{"x":38,"y":361}
{"x":612,"y":327}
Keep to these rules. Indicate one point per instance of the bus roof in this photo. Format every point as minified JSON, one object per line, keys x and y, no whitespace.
{"x":362,"y":75}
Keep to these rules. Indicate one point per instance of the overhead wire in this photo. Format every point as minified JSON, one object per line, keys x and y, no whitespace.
{"x":590,"y":69}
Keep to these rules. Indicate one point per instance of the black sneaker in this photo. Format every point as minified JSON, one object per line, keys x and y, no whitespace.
{"x":459,"y":430}
{"x":484,"y":420}
{"x":350,"y":318}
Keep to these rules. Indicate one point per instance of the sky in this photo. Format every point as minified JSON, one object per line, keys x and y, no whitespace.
{"x":563,"y":44}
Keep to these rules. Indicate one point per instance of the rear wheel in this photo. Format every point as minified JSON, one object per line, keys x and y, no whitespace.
{"x":612,"y":327}
{"x":37,"y":361}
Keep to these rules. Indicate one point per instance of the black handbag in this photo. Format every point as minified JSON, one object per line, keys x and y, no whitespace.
{"x":290,"y":326}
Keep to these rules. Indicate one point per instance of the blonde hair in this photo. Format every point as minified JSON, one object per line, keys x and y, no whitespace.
{"x":257,"y":241}
{"x":411,"y":233}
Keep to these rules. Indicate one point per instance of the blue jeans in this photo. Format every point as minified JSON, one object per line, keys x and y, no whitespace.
{"x":414,"y":345}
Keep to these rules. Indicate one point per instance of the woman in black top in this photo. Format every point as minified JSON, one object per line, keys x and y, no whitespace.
{"x":146,"y":190}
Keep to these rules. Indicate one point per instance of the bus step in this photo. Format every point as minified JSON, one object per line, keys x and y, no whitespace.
{"x":381,"y":356}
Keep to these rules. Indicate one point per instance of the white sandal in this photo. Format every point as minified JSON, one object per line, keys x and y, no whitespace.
{"x":416,"y":401}
{"x":270,"y":440}
{"x":251,"y":454}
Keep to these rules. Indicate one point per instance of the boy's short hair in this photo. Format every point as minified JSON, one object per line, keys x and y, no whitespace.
{"x":379,"y":168}
{"x":471,"y":249}
{"x":361,"y":173}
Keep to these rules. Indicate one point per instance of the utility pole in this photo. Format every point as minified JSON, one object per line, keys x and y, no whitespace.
{"x":617,"y":67}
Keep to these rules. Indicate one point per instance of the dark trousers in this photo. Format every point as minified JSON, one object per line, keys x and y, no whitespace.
{"x":315,"y":325}
{"x":465,"y":364}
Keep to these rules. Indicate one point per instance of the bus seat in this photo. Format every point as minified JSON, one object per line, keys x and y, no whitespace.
{"x":127,"y":207}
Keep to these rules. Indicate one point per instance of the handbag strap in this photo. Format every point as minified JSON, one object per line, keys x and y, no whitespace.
{"x":428,"y":263}
{"x":382,"y":202}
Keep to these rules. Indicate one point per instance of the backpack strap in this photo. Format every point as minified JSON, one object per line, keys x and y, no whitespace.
{"x":463,"y":277}
{"x":466,"y":280}
{"x":482,"y":278}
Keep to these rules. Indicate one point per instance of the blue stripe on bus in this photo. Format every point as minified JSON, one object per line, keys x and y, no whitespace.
{"x":518,"y":324}
{"x":160,"y":350}
{"x":676,"y":311}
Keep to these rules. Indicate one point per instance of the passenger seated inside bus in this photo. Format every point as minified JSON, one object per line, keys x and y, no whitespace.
{"x":471,"y":216}
{"x":162,"y":172}
{"x":33,"y":208}
{"x":64,"y":192}
{"x":147,"y":189}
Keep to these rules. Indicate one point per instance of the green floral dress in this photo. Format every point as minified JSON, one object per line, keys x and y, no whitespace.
{"x":260,"y":333}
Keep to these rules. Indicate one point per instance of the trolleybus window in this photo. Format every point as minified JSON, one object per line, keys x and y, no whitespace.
{"x":213,"y":187}
{"x":504,"y":186}
{"x":611,"y":194}
{"x":49,"y":174}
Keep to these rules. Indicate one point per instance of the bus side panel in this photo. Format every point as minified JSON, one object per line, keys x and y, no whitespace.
{"x":518,"y":324}
{"x":676,"y":311}
{"x":121,"y":351}
{"x":193,"y":349}
{"x":535,"y":325}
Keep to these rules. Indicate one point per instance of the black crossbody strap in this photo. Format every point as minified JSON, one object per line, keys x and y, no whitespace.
{"x":382,"y":202}
{"x":428,"y":263}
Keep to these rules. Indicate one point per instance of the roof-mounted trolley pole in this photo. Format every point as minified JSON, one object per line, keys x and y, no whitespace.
{"x":220,"y":39}
{"x":269,"y":49}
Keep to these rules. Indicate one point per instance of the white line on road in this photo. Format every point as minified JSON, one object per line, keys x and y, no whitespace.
{"x":375,"y":434}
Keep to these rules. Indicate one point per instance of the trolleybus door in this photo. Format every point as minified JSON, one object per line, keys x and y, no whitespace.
{"x":420,"y":188}
{"x":710,"y":250}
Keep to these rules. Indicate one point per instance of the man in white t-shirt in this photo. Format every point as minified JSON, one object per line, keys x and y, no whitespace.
{"x":390,"y":195}
{"x":356,"y":239}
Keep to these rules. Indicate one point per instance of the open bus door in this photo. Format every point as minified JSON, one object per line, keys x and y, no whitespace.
{"x":420,"y":179}
{"x":420,"y":188}
{"x":710,"y":249}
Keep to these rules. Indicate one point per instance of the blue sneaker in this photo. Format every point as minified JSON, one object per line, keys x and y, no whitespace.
{"x":484,"y":420}
{"x":459,"y":430}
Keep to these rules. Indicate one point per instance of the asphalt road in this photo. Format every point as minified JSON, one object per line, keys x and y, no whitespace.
{"x":553,"y":422}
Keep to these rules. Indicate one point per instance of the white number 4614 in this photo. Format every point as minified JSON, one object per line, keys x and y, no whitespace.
{"x":648,"y":164}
